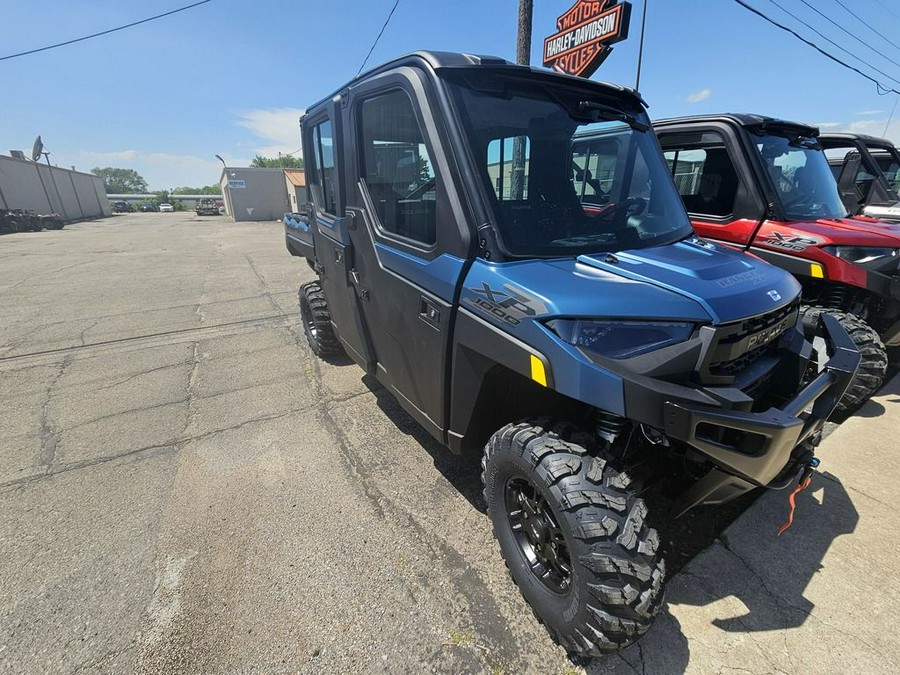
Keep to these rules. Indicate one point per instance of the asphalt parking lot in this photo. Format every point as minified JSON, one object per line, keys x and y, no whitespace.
{"x":185,"y":488}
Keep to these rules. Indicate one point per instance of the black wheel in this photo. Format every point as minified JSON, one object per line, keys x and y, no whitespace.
{"x":573,"y":536}
{"x":872,"y":365}
{"x":317,"y":320}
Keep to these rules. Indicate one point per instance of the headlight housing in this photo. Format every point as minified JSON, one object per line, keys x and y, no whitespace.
{"x":864,"y":255}
{"x":620,"y":339}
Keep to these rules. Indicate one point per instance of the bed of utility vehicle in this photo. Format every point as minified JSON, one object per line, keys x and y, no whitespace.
{"x":764,"y":185}
{"x":867,"y":170}
{"x":589,"y":356}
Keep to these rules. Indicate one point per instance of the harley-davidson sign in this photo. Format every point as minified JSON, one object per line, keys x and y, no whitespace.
{"x":585,"y":35}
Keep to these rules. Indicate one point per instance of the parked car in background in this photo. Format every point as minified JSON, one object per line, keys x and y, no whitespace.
{"x":122,"y":206}
{"x":166,"y":208}
{"x":206,"y":207}
{"x":147,"y":208}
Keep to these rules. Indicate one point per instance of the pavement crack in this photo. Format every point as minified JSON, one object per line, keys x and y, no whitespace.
{"x":168,"y":366}
{"x":262,"y":283}
{"x":125,"y":412}
{"x":892,"y":507}
{"x":47,"y":429}
{"x":775,"y":595}
{"x":83,"y":464}
{"x":255,"y":420}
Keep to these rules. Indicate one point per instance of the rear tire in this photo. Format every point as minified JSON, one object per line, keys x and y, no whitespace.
{"x":873,"y":362}
{"x":573,"y":536}
{"x":317,"y":320}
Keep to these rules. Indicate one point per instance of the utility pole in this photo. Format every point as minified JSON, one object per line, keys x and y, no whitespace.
{"x":637,"y":80}
{"x":523,"y":57}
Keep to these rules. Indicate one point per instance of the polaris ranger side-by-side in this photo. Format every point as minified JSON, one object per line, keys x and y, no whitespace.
{"x":867,"y":170}
{"x":589,"y":354}
{"x":764,"y":185}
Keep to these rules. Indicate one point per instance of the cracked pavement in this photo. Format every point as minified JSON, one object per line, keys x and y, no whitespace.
{"x":184,"y":488}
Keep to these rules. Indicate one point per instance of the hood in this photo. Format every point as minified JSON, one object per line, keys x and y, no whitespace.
{"x":692,"y":280}
{"x":889,"y":212}
{"x":852,"y":231}
{"x":728,"y":284}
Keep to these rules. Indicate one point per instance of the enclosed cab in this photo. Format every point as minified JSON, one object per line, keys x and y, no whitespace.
{"x":867,"y":170}
{"x":764,"y":185}
{"x":586,"y":352}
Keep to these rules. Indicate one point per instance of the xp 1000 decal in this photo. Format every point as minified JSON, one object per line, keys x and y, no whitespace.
{"x":507,"y":304}
{"x":790,"y":241}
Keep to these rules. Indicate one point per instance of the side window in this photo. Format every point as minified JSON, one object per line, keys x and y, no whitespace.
{"x":322,"y":182}
{"x":704,"y":174}
{"x":397,"y":170}
{"x":508,"y":162}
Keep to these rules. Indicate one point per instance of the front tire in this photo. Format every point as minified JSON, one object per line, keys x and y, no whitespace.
{"x":873,"y":362}
{"x":573,"y":536}
{"x":317,"y":320}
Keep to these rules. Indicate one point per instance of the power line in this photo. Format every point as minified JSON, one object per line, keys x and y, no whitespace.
{"x":814,"y":46}
{"x":105,"y":32}
{"x":887,"y":8}
{"x":871,"y":28}
{"x":380,"y":33}
{"x":860,"y":41}
{"x":827,"y":39}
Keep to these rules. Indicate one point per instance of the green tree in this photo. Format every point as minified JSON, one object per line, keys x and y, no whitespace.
{"x":284,"y":161}
{"x":206,"y":190}
{"x":120,"y":181}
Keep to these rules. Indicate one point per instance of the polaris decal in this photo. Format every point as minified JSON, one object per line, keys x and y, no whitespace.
{"x":755,"y":276}
{"x":775,"y":295}
{"x":790,"y":241}
{"x":765,"y":336}
{"x":508,"y":305}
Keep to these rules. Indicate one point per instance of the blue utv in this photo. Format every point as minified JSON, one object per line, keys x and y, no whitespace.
{"x":587,"y":352}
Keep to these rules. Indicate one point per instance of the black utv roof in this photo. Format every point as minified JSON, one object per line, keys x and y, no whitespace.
{"x":866,"y":139}
{"x":759,"y":122}
{"x":452,"y":60}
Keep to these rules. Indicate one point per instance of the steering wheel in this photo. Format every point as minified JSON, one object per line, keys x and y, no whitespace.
{"x":805,"y":202}
{"x":627,"y":207}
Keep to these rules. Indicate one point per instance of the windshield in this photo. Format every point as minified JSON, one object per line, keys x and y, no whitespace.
{"x":553,"y":195}
{"x":801,"y":177}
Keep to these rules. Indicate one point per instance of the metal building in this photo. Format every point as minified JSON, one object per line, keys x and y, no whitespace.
{"x":254,"y":193}
{"x":73,"y":195}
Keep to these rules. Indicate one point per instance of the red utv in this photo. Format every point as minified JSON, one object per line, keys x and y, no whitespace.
{"x":764,"y":185}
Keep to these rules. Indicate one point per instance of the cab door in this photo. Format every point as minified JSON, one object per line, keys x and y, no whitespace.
{"x":409,"y":237}
{"x":715,"y":183}
{"x":333,"y":247}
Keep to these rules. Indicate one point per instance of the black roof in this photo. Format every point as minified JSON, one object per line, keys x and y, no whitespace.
{"x":873,"y":140}
{"x":744,"y":120}
{"x":447,"y":60}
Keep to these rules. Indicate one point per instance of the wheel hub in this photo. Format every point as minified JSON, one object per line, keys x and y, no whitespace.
{"x":538,"y":535}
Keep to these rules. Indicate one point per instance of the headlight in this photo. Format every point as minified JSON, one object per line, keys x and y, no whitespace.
{"x":860,"y":255}
{"x":620,"y":339}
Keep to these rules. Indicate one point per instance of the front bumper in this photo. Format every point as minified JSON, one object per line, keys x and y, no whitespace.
{"x":756,"y":447}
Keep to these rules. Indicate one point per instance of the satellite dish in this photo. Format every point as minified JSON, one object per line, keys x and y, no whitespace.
{"x":37,"y":149}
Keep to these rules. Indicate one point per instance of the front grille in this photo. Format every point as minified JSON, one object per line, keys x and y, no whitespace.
{"x":758,"y":323}
{"x":736,"y":345}
{"x":736,"y":366}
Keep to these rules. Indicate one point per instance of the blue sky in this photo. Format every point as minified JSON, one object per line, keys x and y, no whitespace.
{"x":231,"y":77}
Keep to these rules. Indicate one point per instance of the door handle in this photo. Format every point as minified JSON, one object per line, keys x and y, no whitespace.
{"x":429,"y":312}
